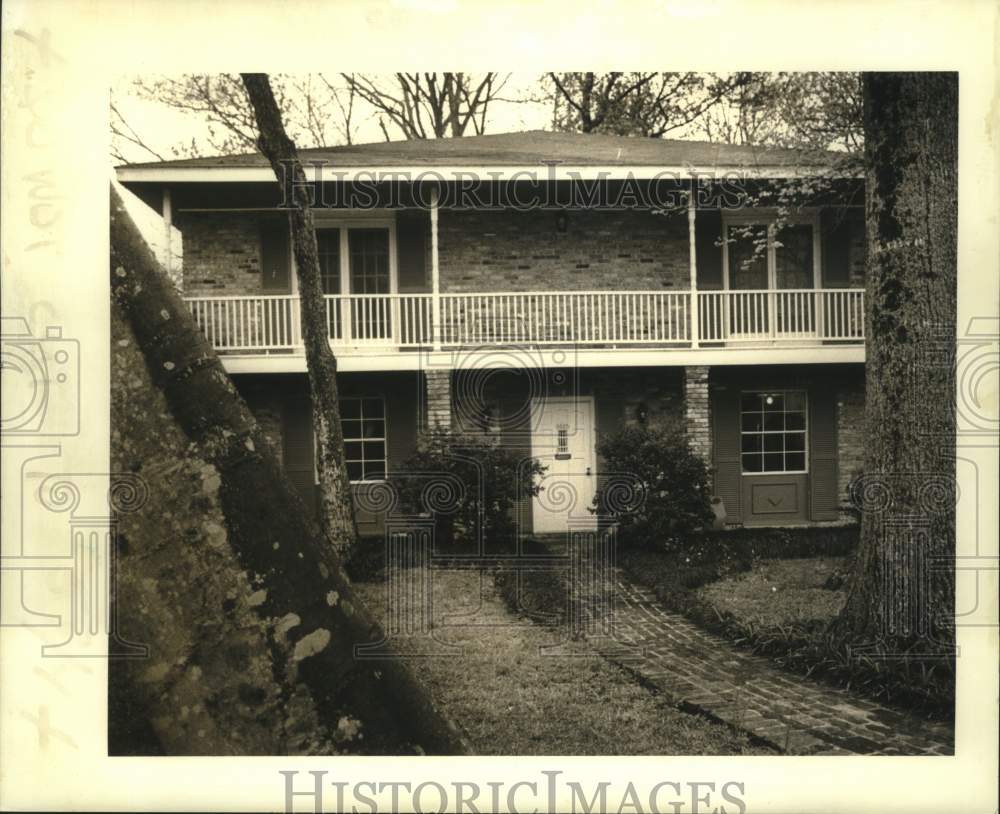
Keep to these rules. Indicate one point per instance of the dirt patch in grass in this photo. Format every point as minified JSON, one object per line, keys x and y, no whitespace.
{"x":780,"y":592}
{"x":513,"y":695}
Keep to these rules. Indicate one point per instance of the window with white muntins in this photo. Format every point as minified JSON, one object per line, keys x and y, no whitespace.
{"x":774,"y":432}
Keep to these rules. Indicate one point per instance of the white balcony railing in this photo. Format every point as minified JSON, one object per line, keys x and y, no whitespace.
{"x":783,"y":315}
{"x":265,"y":324}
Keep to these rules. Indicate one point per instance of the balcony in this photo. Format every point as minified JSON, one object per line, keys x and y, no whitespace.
{"x":615,"y":321}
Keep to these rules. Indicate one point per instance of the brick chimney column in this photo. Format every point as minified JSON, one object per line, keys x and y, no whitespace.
{"x":438,"y":383}
{"x":697,"y":419}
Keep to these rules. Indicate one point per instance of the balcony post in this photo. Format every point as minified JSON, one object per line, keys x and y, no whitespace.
{"x":693,"y":254}
{"x":435,"y":274}
{"x":168,"y":228}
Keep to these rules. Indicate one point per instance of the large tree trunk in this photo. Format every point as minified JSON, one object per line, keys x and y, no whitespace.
{"x":336,"y":505}
{"x":249,"y":617}
{"x":901,"y":597}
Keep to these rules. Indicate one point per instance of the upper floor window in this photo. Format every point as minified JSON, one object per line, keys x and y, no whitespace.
{"x":356,"y":253}
{"x":761,"y":253}
{"x":369,"y":261}
{"x":328,"y":245}
{"x":773,"y":429}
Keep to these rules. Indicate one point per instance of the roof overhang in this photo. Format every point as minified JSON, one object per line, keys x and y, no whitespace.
{"x":539,"y":173}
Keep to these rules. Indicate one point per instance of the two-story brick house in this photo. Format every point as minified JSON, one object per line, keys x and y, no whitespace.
{"x":548,"y":288}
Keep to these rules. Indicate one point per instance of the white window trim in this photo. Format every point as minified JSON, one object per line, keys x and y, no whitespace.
{"x":327,"y":219}
{"x":384,"y":439}
{"x":767,"y":216}
{"x":805,"y":432}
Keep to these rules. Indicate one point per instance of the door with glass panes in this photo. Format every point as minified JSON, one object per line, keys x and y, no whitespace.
{"x":774,"y":456}
{"x":357,"y":260}
{"x":772,"y":272}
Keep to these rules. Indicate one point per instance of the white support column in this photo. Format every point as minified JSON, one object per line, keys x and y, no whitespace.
{"x":435,"y":275}
{"x":693,"y":254}
{"x":168,"y":224}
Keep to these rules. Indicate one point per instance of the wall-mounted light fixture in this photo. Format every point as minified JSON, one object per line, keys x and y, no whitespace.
{"x":642,"y":413}
{"x":561,"y":221}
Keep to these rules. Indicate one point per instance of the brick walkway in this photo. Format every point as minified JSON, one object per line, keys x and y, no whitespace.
{"x":798,"y":716}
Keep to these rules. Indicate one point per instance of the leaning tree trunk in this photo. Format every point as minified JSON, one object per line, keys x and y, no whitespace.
{"x":336,"y":505}
{"x":901,"y":598}
{"x":250,"y":619}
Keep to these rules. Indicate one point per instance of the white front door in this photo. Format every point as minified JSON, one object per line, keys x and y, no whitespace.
{"x":563,"y":441}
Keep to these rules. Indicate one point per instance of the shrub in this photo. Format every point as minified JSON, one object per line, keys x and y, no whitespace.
{"x":672,"y":500}
{"x":469,"y":484}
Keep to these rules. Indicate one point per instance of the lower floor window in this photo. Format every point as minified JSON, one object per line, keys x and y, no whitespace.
{"x":773,"y":431}
{"x":362,"y":421}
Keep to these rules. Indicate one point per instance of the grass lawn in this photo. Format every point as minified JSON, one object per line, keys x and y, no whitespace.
{"x":779,"y":592}
{"x":511,"y":699}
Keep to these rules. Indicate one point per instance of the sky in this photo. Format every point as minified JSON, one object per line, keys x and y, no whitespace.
{"x":162,"y":127}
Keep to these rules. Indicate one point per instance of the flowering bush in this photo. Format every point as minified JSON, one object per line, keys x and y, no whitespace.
{"x":672,"y":499}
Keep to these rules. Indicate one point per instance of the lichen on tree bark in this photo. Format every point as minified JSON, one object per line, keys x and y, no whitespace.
{"x":222,"y":573}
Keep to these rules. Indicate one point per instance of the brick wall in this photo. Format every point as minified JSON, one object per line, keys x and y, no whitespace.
{"x":221,"y":253}
{"x":491,"y":251}
{"x":850,"y":432}
{"x":619,"y":393}
{"x":524,"y":251}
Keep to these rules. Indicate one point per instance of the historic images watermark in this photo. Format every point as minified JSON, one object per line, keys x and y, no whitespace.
{"x":321,"y":790}
{"x":39,"y":372}
{"x":41,"y":379}
{"x":547,"y":186}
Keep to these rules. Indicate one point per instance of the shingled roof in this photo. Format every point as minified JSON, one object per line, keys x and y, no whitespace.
{"x":530,"y":148}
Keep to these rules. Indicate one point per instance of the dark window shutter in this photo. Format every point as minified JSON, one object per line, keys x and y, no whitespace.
{"x":515,"y":435}
{"x":726,"y":450}
{"x":275,"y":262}
{"x":299,"y":451}
{"x":708,"y":232}
{"x":411,"y":242}
{"x":835,"y":237}
{"x":823,"y":497}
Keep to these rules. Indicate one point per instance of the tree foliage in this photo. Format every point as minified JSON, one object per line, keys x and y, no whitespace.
{"x":632,"y":104}
{"x":803,"y":110}
{"x":818,"y":110}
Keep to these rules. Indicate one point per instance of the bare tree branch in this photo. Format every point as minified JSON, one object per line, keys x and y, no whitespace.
{"x":121,"y":129}
{"x":429,"y":105}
